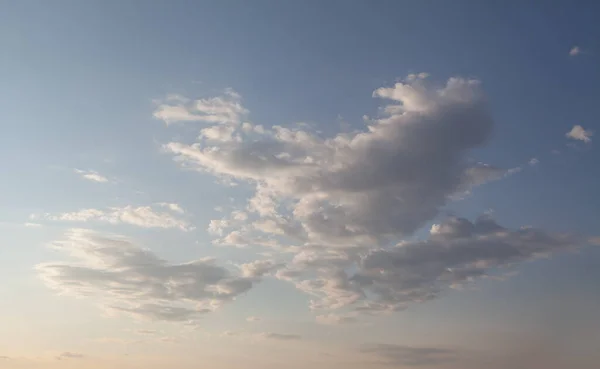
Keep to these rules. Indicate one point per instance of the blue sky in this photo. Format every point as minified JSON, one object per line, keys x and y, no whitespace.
{"x":145,"y":121}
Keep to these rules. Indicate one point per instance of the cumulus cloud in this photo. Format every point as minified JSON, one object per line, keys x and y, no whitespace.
{"x":131,"y":280}
{"x":399,"y":355}
{"x":579,"y":133}
{"x":336,"y":204}
{"x":91,"y":175}
{"x":575,"y":50}
{"x":360,"y":188}
{"x":142,"y":216}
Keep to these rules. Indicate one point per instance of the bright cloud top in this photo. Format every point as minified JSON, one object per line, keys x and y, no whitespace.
{"x":580,"y":134}
{"x":358,"y":189}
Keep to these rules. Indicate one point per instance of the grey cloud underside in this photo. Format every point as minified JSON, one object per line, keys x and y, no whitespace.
{"x":457,"y":252}
{"x":131,"y":280}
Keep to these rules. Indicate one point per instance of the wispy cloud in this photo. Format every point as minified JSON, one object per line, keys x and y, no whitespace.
{"x":575,"y":50}
{"x":132,"y":280}
{"x":160,"y":215}
{"x":226,"y":110}
{"x":91,"y":175}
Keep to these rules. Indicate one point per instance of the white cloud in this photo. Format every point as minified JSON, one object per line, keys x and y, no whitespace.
{"x":337,"y":203}
{"x":578,"y":133}
{"x":91,"y":175}
{"x":131,"y":280}
{"x":252,"y":319}
{"x":32,"y":225}
{"x":534,"y":161}
{"x":226,"y":109}
{"x":575,"y":50}
{"x":172,"y":206}
{"x":258,"y":268}
{"x":359,"y":188}
{"x":141,"y":216}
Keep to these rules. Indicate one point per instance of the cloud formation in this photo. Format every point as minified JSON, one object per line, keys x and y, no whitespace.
{"x":91,"y":175}
{"x":224,"y":110}
{"x":456,"y":252}
{"x":335,"y":205}
{"x":161,"y":215}
{"x":354,"y":189}
{"x":579,"y":133}
{"x":134,"y":281}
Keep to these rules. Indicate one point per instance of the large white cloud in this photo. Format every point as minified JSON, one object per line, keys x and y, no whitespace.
{"x":337,"y":204}
{"x":362,"y":188}
{"x":132,"y":280}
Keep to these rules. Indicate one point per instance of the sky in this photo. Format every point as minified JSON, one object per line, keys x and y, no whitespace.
{"x":326,"y":184}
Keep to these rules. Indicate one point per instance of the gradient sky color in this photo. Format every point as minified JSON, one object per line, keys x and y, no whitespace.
{"x":331,"y":184}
